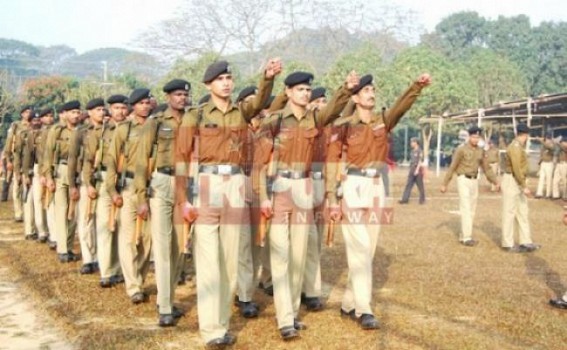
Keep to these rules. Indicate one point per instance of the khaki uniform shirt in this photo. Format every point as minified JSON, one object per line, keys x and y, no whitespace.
{"x":493,"y":155}
{"x":163,"y":139}
{"x":56,"y":148}
{"x":125,"y":139}
{"x":76,"y":157}
{"x":517,"y":162}
{"x":365,"y":144}
{"x":547,"y":151}
{"x":32,"y":151}
{"x":563,"y":152}
{"x":466,"y":161}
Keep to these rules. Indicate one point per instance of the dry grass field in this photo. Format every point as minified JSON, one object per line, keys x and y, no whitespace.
{"x":429,"y":291}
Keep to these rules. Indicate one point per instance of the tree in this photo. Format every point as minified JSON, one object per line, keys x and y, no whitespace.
{"x":460,"y":32}
{"x":47,"y":91}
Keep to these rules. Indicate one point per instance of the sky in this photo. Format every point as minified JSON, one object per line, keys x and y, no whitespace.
{"x":89,"y":24}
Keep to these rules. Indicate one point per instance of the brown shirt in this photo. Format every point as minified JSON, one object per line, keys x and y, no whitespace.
{"x":547,"y":151}
{"x":57,"y":147}
{"x":563,"y":152}
{"x":32,"y":151}
{"x":466,"y":161}
{"x":517,"y":162}
{"x":493,"y":155}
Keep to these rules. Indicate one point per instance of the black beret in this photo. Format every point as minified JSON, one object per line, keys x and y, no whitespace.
{"x":205,"y":99}
{"x":117,"y":99}
{"x":297,"y":78}
{"x":94,"y":103}
{"x":522,"y":128}
{"x":474,"y":130}
{"x":45,"y":112}
{"x":177,"y":84}
{"x":69,"y":106}
{"x":25,"y":108}
{"x":138,"y":95}
{"x":214,"y":70}
{"x":247,"y":91}
{"x":35,"y":115}
{"x":317,"y":93}
{"x":364,"y":81}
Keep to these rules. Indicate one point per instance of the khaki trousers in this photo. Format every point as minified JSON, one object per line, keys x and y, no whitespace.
{"x":545,"y":175}
{"x":495,"y":169}
{"x":289,"y":234}
{"x":249,"y":256}
{"x":560,"y":180}
{"x":312,"y":278}
{"x":29,"y":220}
{"x":134,"y":258}
{"x":39,"y":212}
{"x":86,"y":228}
{"x":51,"y":222}
{"x":468,"y":195}
{"x":64,"y":228}
{"x":17,"y":198}
{"x":221,"y":210}
{"x":361,"y":206}
{"x":514,"y":213}
{"x":167,"y":240}
{"x":106,"y":241}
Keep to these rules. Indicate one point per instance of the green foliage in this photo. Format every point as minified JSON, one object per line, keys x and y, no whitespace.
{"x":48,"y":91}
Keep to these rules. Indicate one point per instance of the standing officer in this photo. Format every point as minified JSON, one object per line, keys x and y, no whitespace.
{"x":515,"y":195}
{"x":81,"y":159}
{"x":292,"y":132}
{"x":98,"y":152}
{"x":560,"y":174}
{"x":466,"y":160}
{"x":545,"y":166}
{"x":365,"y":135}
{"x":12,"y":155}
{"x":155,"y":189}
{"x":133,"y":247}
{"x":27,"y":173}
{"x":221,"y":129}
{"x":56,"y":157}
{"x":493,"y":159}
{"x":415,"y":174}
{"x":32,"y":163}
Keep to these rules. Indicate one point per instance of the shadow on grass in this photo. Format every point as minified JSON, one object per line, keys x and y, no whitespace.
{"x":492,"y":231}
{"x":539,"y":268}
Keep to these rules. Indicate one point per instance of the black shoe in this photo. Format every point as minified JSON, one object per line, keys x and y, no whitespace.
{"x":248,"y":309}
{"x":63,"y":258}
{"x":403,"y":202}
{"x":52,"y":245}
{"x":313,"y":304}
{"x":116,"y":279}
{"x":105,"y":283}
{"x":509,"y":249}
{"x":298,"y":325}
{"x":269,"y":291}
{"x":528,"y":248}
{"x":558,"y":303}
{"x":18,"y":219}
{"x":227,"y":339}
{"x":73,"y":257}
{"x":87,"y":269}
{"x":166,"y":320}
{"x":469,"y":243}
{"x":175,"y":312}
{"x":138,"y":298}
{"x":31,"y":237}
{"x":368,"y":321}
{"x":289,"y":333}
{"x":42,"y":239}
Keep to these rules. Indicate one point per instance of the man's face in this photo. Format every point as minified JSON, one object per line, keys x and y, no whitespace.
{"x":222,"y":86}
{"x":319,"y":103}
{"x":26,"y":115}
{"x":73,"y":116}
{"x":473,"y":139}
{"x":36,"y":123}
{"x":178,"y":99}
{"x":118,"y":111}
{"x":366,"y":97}
{"x":142,"y":108}
{"x":96,"y":114}
{"x":47,"y":119}
{"x":413,"y":144}
{"x":299,"y":94}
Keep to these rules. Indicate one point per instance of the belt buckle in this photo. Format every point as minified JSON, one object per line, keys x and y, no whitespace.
{"x":296,"y":175}
{"x":224,"y":169}
{"x":370,"y":172}
{"x":317,"y":175}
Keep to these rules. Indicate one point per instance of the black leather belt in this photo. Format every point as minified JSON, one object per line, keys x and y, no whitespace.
{"x":102,"y":168}
{"x":290,"y":174}
{"x":472,"y":177}
{"x":221,"y":169}
{"x":167,"y":170}
{"x":63,"y":161}
{"x":129,"y":175}
{"x":366,"y":172}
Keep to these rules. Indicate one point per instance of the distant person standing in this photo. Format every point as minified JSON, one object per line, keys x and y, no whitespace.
{"x":560,"y":174}
{"x":415,"y":175}
{"x":515,"y":195}
{"x":545,"y":167}
{"x":466,"y":160}
{"x":493,"y":158}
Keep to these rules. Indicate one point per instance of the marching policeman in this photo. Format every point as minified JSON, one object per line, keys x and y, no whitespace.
{"x":27,"y":172}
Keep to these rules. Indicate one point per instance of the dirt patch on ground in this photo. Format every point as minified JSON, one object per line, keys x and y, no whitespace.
{"x":429,"y":291}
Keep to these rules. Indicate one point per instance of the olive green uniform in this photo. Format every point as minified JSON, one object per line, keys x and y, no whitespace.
{"x":134,"y":256}
{"x":466,"y":161}
{"x":26,"y":173}
{"x":12,"y":153}
{"x":514,"y":201}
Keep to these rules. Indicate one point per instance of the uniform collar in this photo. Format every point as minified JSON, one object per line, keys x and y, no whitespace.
{"x":209,"y":107}
{"x":287,"y":112}
{"x":355,"y":119}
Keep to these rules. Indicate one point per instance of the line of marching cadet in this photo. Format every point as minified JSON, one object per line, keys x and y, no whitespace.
{"x":207,"y":180}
